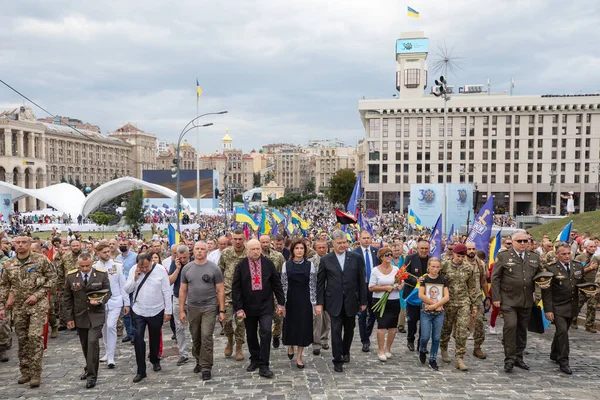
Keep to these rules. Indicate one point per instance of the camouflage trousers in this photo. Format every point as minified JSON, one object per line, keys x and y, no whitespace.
{"x":240,"y":328}
{"x":479,"y":331}
{"x":456,"y":319}
{"x":590,"y":312}
{"x":29,"y":326}
{"x":5,"y":331}
{"x":277,"y":322}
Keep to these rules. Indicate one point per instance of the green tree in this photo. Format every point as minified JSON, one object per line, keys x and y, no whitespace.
{"x":134,"y":212}
{"x":256,"y":179}
{"x":310,"y":186}
{"x":341,"y":186}
{"x":101,"y":219}
{"x":238,"y":198}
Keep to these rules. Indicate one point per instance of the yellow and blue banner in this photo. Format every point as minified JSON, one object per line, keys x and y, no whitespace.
{"x":411,"y":12}
{"x":299,"y":221}
{"x":494,"y":248}
{"x":565,"y":234}
{"x":198,"y":90}
{"x":242,"y":215}
{"x":265,"y":226}
{"x":174,"y":237}
{"x":277,"y":216}
{"x":481,"y":231}
{"x":413,"y":219}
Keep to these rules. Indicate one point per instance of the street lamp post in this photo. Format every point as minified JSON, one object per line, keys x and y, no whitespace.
{"x":442,"y":86}
{"x":185,"y":130}
{"x":552,"y":183}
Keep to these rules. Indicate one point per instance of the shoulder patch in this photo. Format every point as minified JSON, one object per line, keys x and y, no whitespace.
{"x":100,"y":270}
{"x":72,"y":271}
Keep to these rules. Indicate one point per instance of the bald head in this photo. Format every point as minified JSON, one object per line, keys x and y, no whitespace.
{"x":265,"y":244}
{"x":253,"y":249}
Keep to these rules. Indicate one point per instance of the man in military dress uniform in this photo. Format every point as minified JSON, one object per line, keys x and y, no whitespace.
{"x":278,"y":260}
{"x":30,"y":276}
{"x":230,"y":258}
{"x":479,"y":269}
{"x":512,"y":291}
{"x":67,"y":261}
{"x":85,"y":314}
{"x":463,"y":286}
{"x":590,"y":268}
{"x":561,"y":302}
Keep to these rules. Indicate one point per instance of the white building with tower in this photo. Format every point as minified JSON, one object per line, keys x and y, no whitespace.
{"x":525,"y":150}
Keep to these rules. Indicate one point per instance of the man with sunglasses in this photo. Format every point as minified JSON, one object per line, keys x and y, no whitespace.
{"x":476,"y":324}
{"x":512,"y":291}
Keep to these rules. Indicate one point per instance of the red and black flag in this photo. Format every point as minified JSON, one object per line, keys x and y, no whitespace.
{"x":344,"y":218}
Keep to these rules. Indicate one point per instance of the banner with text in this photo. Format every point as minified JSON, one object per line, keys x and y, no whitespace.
{"x":459,"y":204}
{"x":427,"y":202}
{"x":6,"y":207}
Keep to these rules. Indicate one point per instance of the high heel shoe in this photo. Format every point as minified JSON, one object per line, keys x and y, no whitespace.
{"x":300,"y":366}
{"x":290,"y":356}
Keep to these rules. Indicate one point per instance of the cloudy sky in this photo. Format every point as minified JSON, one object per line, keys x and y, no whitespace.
{"x":286,"y":70}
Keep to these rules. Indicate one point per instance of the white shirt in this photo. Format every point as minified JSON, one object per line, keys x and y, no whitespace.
{"x":149,"y":301}
{"x":377,"y":278}
{"x":341,"y":259}
{"x":214,"y":256}
{"x":116,"y":278}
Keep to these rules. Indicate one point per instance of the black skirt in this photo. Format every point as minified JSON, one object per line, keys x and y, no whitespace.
{"x":389,"y":319}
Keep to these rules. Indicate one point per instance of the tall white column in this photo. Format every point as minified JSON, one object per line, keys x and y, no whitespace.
{"x":20,"y":149}
{"x":7,"y":142}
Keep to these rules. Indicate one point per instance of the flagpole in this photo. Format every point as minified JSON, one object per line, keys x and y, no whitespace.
{"x":197,"y":162}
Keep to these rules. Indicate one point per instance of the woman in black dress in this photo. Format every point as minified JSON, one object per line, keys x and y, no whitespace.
{"x":299,"y":281}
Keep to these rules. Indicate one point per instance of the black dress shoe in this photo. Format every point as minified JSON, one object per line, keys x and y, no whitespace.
{"x":156,"y":367}
{"x":338,"y":368}
{"x":411,"y":346}
{"x":206,"y":376}
{"x":554,"y":359}
{"x":62,"y":328}
{"x":276,"y":342}
{"x":111,"y":365}
{"x":508,"y":366}
{"x":316,"y":352}
{"x":365,"y":347}
{"x":290,"y":356}
{"x":266,"y":372}
{"x":566,"y":369}
{"x":197,"y":368}
{"x":300,"y":366}
{"x":346,"y":358}
{"x":127,"y":339}
{"x":90,"y":383}
{"x":325,"y":346}
{"x":521,"y":364}
{"x":138,"y":378}
{"x":253,"y":366}
{"x":401,"y":330}
{"x":83,"y":376}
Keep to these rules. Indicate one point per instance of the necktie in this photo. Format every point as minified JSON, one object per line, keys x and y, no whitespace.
{"x":368,"y":264}
{"x":567,"y":268}
{"x":85,"y":279}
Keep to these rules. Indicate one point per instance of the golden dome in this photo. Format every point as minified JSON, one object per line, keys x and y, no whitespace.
{"x":227,"y":138}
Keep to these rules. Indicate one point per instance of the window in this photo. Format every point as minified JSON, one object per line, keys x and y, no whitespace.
{"x":506,"y":178}
{"x":384,"y":179}
{"x":577,"y":167}
{"x":485,"y":144}
{"x":586,"y":179}
{"x":484,"y":168}
{"x":484,"y":179}
{"x":374,"y":128}
{"x":420,"y":127}
{"x":398,"y":178}
{"x":562,"y":179}
{"x":493,"y":179}
{"x":530,"y":131}
{"x":412,"y":78}
{"x":494,"y":120}
{"x":507,"y":132}
{"x":517,"y":131}
{"x":530,"y":155}
{"x":588,"y":130}
{"x":578,"y":118}
{"x":563,"y":154}
{"x":494,"y":144}
{"x":587,"y":142}
{"x":373,"y":173}
{"x":493,"y":131}
{"x":563,"y":167}
{"x":516,"y":179}
{"x":405,"y":178}
{"x":406,"y":127}
{"x":540,"y":131}
{"x":577,"y":154}
{"x":486,"y":120}
{"x":406,"y":156}
{"x":554,"y":143}
{"x":485,"y":131}
{"x":539,"y":179}
{"x":485,"y":155}
{"x":494,"y":168}
{"x":398,"y":127}
{"x":564,"y":118}
{"x":507,"y":155}
{"x":531,"y":119}
{"x":506,"y":168}
{"x":516,"y":155}
{"x":385,"y":127}
{"x":406,"y":143}
{"x":507,"y":143}
{"x":517,"y":119}
{"x":540,"y":119}
{"x":555,"y":119}
{"x":588,"y":118}
{"x":508,"y":119}
{"x":578,"y":130}
{"x":576,"y":178}
{"x":530,"y":143}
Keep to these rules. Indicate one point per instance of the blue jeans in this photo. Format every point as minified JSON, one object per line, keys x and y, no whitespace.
{"x":129,"y":326}
{"x":431,"y":326}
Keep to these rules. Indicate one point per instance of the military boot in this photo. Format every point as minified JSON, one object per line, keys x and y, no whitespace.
{"x":460,"y":365}
{"x":229,"y":347}
{"x":3,"y":356}
{"x":239,"y":354}
{"x":34,"y":382}
{"x":54,"y":333}
{"x":23,"y":379}
{"x":445,"y":356}
{"x":479,"y":353}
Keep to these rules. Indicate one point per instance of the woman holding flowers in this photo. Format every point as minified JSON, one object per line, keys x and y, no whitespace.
{"x":384,"y":284}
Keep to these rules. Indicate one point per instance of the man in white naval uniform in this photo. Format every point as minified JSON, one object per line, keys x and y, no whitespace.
{"x":120,"y":299}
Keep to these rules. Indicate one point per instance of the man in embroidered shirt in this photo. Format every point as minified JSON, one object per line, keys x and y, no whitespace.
{"x":151,"y":306}
{"x":255,"y":282}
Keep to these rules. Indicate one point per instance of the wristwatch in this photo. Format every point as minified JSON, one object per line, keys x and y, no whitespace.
{"x":221,"y":311}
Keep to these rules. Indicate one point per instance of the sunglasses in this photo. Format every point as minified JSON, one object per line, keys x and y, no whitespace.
{"x":509,"y":243}
{"x":522,"y":241}
{"x":387,"y":255}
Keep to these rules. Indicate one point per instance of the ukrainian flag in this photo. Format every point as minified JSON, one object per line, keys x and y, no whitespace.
{"x":265,"y":226}
{"x":412,"y":13}
{"x":565,"y":234}
{"x":243,"y":216}
{"x":413,"y":219}
{"x":494,"y":247}
{"x":277,"y":216}
{"x":296,"y":218}
{"x":173,"y":236}
{"x":198,"y":90}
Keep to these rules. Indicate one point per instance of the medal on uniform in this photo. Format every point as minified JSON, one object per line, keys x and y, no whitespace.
{"x":510,"y":270}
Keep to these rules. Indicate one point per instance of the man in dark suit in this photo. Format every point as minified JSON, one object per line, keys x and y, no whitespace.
{"x":86,"y":315}
{"x":561,"y":302}
{"x":366,"y":319}
{"x":341,"y":290}
{"x":416,"y":264}
{"x":255,"y":281}
{"x":512,"y":292}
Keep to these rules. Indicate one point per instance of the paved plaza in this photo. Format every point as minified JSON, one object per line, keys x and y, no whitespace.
{"x":365,"y":377}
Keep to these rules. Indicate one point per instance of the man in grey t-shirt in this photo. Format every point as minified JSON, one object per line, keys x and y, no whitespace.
{"x":201,"y":289}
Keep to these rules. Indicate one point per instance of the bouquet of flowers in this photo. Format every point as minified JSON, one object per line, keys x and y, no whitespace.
{"x":400,"y":276}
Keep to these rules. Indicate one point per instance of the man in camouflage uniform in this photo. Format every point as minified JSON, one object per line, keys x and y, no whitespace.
{"x":5,"y":331}
{"x":30,"y":276}
{"x":278,"y":260}
{"x":449,"y":254}
{"x":476,"y":327}
{"x":230,"y":258}
{"x":465,"y":292}
{"x":590,"y":267}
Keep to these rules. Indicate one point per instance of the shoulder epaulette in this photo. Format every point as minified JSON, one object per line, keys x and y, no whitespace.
{"x":72,"y":271}
{"x":117,"y":261}
{"x":100,"y":270}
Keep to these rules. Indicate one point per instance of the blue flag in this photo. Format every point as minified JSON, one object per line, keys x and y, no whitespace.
{"x":481,"y":231}
{"x":451,"y":234}
{"x":565,"y":234}
{"x":274,"y":229}
{"x":364,"y":224}
{"x":165,"y":206}
{"x":245,"y":204}
{"x":435,"y":242}
{"x":356,"y":195}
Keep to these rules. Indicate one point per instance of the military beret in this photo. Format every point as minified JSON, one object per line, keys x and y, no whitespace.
{"x":460,"y":249}
{"x":543,"y":277}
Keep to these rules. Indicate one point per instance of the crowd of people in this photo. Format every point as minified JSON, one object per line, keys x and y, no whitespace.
{"x":268,"y":291}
